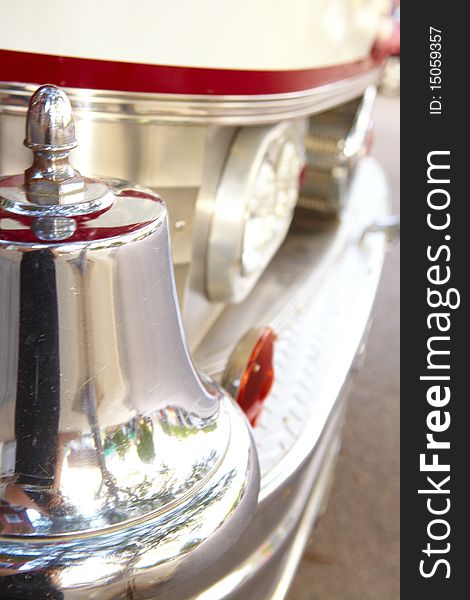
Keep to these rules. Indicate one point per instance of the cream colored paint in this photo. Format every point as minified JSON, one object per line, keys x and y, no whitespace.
{"x":232,"y":34}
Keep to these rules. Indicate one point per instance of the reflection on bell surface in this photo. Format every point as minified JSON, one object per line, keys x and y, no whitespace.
{"x":117,"y":459}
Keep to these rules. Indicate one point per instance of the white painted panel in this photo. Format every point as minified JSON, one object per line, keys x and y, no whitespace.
{"x":233,"y":34}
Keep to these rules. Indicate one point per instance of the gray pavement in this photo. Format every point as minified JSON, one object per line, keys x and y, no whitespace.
{"x":354,"y":550}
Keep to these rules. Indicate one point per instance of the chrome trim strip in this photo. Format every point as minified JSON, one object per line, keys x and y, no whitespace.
{"x":222,"y":110}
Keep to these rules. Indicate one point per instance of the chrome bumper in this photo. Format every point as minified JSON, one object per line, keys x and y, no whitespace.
{"x":317,"y":295}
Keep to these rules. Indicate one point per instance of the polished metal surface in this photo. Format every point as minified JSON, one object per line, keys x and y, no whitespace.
{"x":269,"y":563}
{"x":117,"y":459}
{"x":221,"y":110}
{"x":317,"y":294}
{"x":54,"y":228}
{"x":337,"y":139}
{"x":102,"y":378}
{"x":389,"y":225}
{"x":175,"y":145}
{"x":259,"y":184}
{"x":51,"y":186}
{"x":169,"y":158}
{"x":50,"y":134}
{"x":164,"y":551}
{"x":49,"y":124}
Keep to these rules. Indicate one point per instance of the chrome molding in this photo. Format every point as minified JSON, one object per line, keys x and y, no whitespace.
{"x":222,"y":110}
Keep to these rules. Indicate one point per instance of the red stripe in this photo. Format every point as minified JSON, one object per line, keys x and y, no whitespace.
{"x":65,"y":71}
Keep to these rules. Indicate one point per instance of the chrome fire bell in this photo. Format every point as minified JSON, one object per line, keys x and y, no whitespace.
{"x":120,"y":465}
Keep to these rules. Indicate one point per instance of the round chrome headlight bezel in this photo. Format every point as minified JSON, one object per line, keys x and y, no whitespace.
{"x":254,"y":206}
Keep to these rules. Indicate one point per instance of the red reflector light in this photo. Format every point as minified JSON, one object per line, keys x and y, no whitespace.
{"x":258,"y":376}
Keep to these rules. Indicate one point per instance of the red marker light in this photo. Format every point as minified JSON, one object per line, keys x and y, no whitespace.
{"x":250,"y":373}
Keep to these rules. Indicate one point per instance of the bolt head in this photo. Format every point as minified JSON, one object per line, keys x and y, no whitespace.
{"x":42,"y":190}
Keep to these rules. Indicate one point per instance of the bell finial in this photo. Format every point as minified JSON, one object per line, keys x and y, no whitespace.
{"x":50,"y":134}
{"x":49,"y":123}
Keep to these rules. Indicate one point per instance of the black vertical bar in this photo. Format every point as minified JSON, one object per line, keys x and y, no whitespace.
{"x":431,"y":567}
{"x":38,"y":387}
